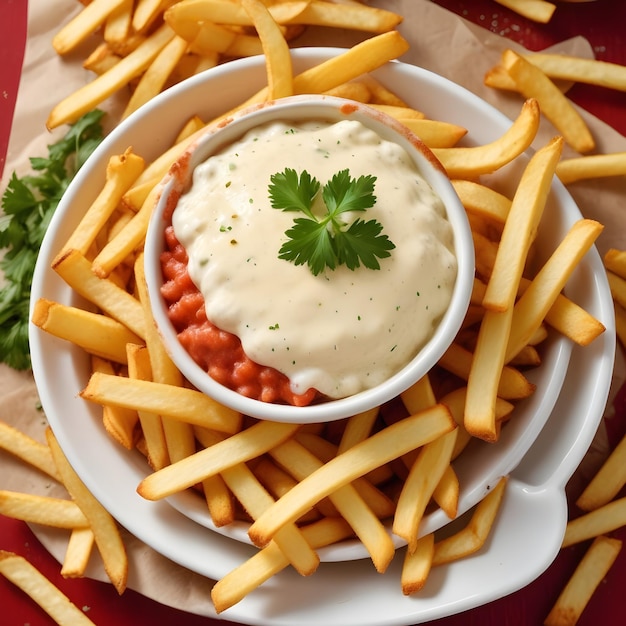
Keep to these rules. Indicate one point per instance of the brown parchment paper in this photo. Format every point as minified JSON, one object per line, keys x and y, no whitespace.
{"x":440,"y":41}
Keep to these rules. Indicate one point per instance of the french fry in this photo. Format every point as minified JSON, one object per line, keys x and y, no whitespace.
{"x":118,"y":422}
{"x":513,"y":384}
{"x":267,"y":562}
{"x":187,"y":405}
{"x":122,"y":170}
{"x":536,"y":10}
{"x":620,"y":323}
{"x":417,"y":564}
{"x":106,"y":534}
{"x":521,"y":226}
{"x":541,"y":294}
{"x":84,"y":24}
{"x":155,"y":77}
{"x":302,"y":464}
{"x":255,"y":499}
{"x":482,"y":200}
{"x":90,"y":95}
{"x":434,"y":133}
{"x":118,"y":24}
{"x":139,"y":368}
{"x":75,"y":270}
{"x":32,"y":582}
{"x":600,"y":521}
{"x":607,"y":482}
{"x":27,"y":449}
{"x":41,"y":510}
{"x":239,"y":448}
{"x":146,"y":13}
{"x":472,"y":538}
{"x":390,"y":443}
{"x":95,"y":333}
{"x":469,"y":162}
{"x":587,"y":576}
{"x":424,"y":476}
{"x":275,"y":48}
{"x":533,"y":83}
{"x":591,"y":166}
{"x":615,"y":261}
{"x":617,"y":284}
{"x":580,"y":70}
{"x":77,"y":554}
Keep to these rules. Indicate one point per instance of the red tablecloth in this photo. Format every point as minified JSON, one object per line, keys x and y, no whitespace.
{"x":602,"y":24}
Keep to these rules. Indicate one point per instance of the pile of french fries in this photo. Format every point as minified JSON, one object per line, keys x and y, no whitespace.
{"x":309,"y":486}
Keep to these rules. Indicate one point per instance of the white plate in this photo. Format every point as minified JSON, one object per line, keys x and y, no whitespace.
{"x":535,"y":508}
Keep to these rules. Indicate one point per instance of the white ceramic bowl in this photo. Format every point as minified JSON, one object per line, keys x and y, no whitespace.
{"x":294,"y":110}
{"x":549,"y":436}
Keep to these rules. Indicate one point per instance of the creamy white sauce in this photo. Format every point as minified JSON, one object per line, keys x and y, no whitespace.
{"x":342,"y":331}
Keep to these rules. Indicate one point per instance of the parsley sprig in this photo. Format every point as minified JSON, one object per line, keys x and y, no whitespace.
{"x":28,"y":204}
{"x":329,"y":241}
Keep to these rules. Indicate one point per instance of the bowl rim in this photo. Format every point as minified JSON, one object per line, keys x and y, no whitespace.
{"x":292,"y":108}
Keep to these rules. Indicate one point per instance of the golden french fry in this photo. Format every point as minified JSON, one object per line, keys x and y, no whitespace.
{"x":362,"y":58}
{"x":302,"y":464}
{"x":139,"y":368}
{"x":85,"y":23}
{"x":121,"y":172}
{"x":580,"y":70}
{"x":49,"y":597}
{"x":533,"y":83}
{"x":434,"y":133}
{"x":607,"y":482}
{"x":416,"y":565}
{"x":469,"y":162}
{"x":118,"y":24}
{"x":254,"y":498}
{"x":95,"y":333}
{"x":521,"y":226}
{"x":615,"y":261}
{"x":498,"y":78}
{"x":146,"y":12}
{"x":239,"y":448}
{"x":93,"y":93}
{"x":75,"y":270}
{"x":155,"y":77}
{"x":484,"y":376}
{"x":591,"y":166}
{"x":187,"y":405}
{"x":472,"y":538}
{"x":573,"y":321}
{"x":178,"y":435}
{"x":127,"y":240}
{"x":41,"y":510}
{"x":543,"y":290}
{"x":102,"y":59}
{"x":118,"y":422}
{"x":28,"y":449}
{"x":424,"y":476}
{"x":513,"y":384}
{"x":536,"y":10}
{"x":387,"y":444}
{"x":264,"y":564}
{"x":600,"y":521}
{"x":482,"y":200}
{"x":106,"y":533}
{"x":77,"y":553}
{"x":617,"y":285}
{"x":587,"y":576}
{"x":275,"y":48}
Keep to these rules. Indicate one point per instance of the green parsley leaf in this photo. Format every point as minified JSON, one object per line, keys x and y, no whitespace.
{"x":28,"y":204}
{"x":328,"y":241}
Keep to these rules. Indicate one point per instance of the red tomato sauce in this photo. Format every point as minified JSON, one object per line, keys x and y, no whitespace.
{"x":218,"y":352}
